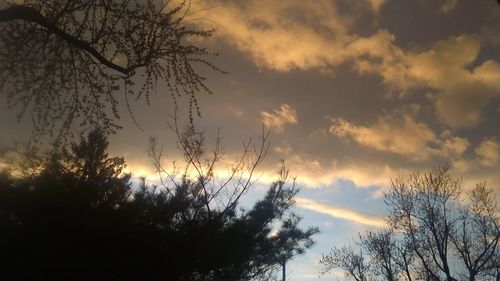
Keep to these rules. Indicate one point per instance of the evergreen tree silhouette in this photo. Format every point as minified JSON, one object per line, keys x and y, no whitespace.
{"x":81,"y":219}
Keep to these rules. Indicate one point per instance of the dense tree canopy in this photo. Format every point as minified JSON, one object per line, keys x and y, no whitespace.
{"x":435,"y":232}
{"x":72,"y":62}
{"x":80,"y":218}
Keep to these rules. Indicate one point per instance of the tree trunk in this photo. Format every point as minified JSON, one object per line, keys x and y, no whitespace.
{"x":283,"y":272}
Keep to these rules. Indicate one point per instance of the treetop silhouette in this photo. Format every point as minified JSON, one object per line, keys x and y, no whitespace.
{"x":80,"y":218}
{"x":435,"y":232}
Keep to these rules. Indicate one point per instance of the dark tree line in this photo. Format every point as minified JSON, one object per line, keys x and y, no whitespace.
{"x":78,"y":217}
{"x":435,"y":232}
{"x":74,"y":214}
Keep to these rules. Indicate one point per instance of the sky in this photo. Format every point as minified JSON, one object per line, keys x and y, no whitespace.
{"x":354,"y":93}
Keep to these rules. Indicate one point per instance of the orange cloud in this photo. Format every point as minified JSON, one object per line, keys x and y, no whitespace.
{"x":376,"y":5}
{"x":488,"y":152}
{"x":305,"y":35}
{"x":279,"y":117}
{"x":400,"y":133}
{"x":286,"y":35}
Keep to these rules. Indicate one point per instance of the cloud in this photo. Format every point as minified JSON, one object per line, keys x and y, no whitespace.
{"x":379,"y":55}
{"x":448,"y":5}
{"x":376,"y":5}
{"x":280,"y":35}
{"x":314,"y":172}
{"x":294,"y":34}
{"x":285,"y":148}
{"x":461,"y":94}
{"x":488,"y":73}
{"x":308,"y":35}
{"x":305,"y":35}
{"x":443,"y":64}
{"x":488,"y":152}
{"x":340,"y":213}
{"x":279,"y":117}
{"x":400,"y":133}
{"x":234,"y":111}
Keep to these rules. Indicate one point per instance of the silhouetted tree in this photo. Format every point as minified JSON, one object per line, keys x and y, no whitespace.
{"x":434,"y":233}
{"x":65,"y":61}
{"x":80,"y":218}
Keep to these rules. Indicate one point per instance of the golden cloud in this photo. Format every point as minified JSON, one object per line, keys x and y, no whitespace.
{"x":305,"y":35}
{"x":293,"y":34}
{"x":376,"y":5}
{"x":488,"y":152}
{"x":279,"y":117}
{"x":400,"y":133}
{"x":280,"y":35}
{"x":461,"y":93}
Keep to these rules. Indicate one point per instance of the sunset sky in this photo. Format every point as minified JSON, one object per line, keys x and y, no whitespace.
{"x":354,"y":92}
